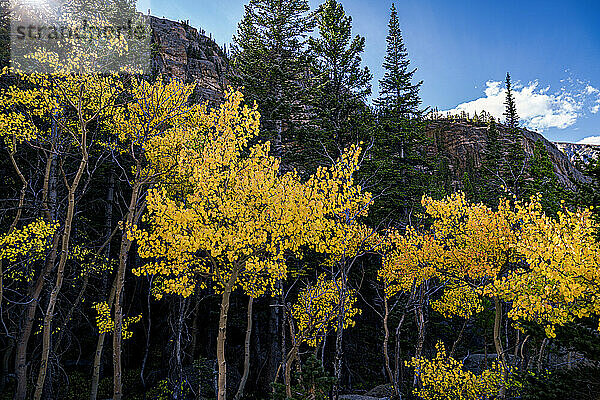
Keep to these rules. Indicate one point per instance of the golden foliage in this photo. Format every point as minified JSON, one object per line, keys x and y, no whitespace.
{"x":228,"y":213}
{"x":444,"y":378}
{"x":106,"y":325}
{"x":547,"y":268}
{"x":318,"y":307}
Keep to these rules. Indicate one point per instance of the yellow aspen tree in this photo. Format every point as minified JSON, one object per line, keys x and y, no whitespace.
{"x":231,"y":216}
{"x":314,"y":314}
{"x":66,"y":103}
{"x":149,"y":128}
{"x":343,"y":237}
{"x":406,"y":268}
{"x":545,"y":268}
{"x":560,"y":278}
{"x":444,"y":378}
{"x":469,"y":246}
{"x":22,"y":106}
{"x":61,"y":100}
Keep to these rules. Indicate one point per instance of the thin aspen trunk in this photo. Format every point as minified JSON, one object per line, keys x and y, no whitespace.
{"x":99,"y":349}
{"x":123,"y":255}
{"x":96,"y":368}
{"x":541,"y":355}
{"x":29,"y":314}
{"x":521,"y":364}
{"x":386,"y":339}
{"x":398,"y":371}
{"x":288,"y":367}
{"x":458,"y":338}
{"x":339,"y":349}
{"x":240,"y":391}
{"x":222,"y":337}
{"x":182,"y":310}
{"x":195,"y":328}
{"x":283,"y":329}
{"x":275,"y":358}
{"x":66,"y":235}
{"x":290,"y":358}
{"x":338,"y":357}
{"x":498,"y":345}
{"x":420,"y":321}
{"x":147,"y":348}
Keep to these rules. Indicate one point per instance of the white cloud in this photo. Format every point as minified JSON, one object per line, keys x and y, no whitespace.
{"x":538,"y":108}
{"x":590,"y":140}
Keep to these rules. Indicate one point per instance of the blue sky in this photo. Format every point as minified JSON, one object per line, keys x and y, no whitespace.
{"x":463,"y":49}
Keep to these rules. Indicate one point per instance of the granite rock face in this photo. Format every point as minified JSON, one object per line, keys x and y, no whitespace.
{"x":184,"y":53}
{"x":578,"y":152}
{"x":462,"y":145}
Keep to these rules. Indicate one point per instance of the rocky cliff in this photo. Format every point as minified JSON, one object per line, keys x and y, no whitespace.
{"x":461,"y":144}
{"x":579,"y":152}
{"x":183,"y":52}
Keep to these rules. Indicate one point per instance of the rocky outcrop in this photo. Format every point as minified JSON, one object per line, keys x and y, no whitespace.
{"x":184,"y":53}
{"x":577,"y":152}
{"x":381,"y":392}
{"x":462,"y":145}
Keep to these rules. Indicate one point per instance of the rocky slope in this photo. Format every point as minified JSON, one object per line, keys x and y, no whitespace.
{"x":462,"y":145}
{"x":189,"y":55}
{"x":579,"y":152}
{"x":184,"y":52}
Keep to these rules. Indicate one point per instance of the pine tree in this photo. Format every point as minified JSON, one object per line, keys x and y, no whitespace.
{"x":543,"y":180}
{"x":515,"y":163}
{"x":269,"y":64}
{"x":510,"y":113}
{"x":397,"y":92}
{"x":399,"y":162}
{"x":493,"y":166}
{"x":339,"y":86}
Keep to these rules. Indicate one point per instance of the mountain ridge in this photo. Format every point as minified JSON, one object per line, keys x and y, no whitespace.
{"x":188,"y":54}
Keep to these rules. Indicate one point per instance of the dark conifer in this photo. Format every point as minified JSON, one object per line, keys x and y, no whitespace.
{"x":510,"y":113}
{"x":397,"y":93}
{"x":543,"y":180}
{"x":339,"y":86}
{"x":515,"y":162}
{"x":269,"y":64}
{"x":399,"y":161}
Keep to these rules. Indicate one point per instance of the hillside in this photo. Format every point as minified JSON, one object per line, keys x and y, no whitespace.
{"x":190,"y":55}
{"x":462,"y":145}
{"x":579,"y":152}
{"x":187,"y":54}
{"x":156,"y":247}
